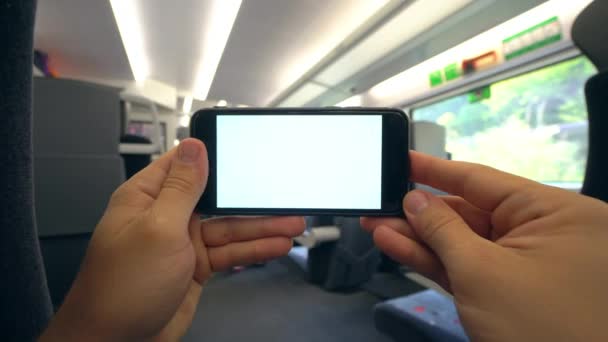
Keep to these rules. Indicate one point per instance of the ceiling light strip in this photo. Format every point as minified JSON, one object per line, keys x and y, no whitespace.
{"x":187,"y":106}
{"x":129,"y":25}
{"x":419,"y":18}
{"x":353,"y":101}
{"x":221,"y":20}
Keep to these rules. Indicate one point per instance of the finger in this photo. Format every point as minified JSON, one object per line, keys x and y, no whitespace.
{"x":224,"y":230}
{"x":409,"y":252}
{"x":182,"y":319}
{"x":477,"y":219}
{"x":248,"y":252}
{"x":439,"y":226}
{"x":202,"y":269}
{"x":184,"y":184}
{"x":397,"y":224}
{"x":480,"y":221}
{"x":480,"y":185}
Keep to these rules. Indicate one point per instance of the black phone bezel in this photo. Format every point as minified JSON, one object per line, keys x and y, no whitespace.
{"x":395,"y":159}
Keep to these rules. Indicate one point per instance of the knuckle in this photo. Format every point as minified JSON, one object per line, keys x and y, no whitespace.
{"x":218,"y":231}
{"x":519,"y":207}
{"x":179,"y":183}
{"x":435,"y":224}
{"x":226,"y":236}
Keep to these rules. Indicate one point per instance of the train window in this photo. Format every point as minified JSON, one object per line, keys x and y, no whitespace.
{"x":533,"y":125}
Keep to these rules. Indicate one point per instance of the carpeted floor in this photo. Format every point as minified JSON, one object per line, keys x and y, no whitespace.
{"x":275,"y":303}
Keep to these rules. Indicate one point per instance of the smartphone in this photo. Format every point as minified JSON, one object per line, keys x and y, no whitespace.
{"x":295,"y":161}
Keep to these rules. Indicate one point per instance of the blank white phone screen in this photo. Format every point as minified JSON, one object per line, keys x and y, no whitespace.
{"x":299,"y":161}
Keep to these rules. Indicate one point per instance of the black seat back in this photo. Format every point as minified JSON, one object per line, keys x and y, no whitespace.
{"x":346,"y":263}
{"x":590,"y":35}
{"x":25,"y":306}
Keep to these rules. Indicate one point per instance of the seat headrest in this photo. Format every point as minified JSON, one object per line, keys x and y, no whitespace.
{"x":590,"y":33}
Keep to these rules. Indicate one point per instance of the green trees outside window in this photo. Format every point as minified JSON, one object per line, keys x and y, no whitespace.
{"x":533,"y":125}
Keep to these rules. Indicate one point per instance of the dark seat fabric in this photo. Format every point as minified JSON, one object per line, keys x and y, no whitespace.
{"x":589,"y":34}
{"x":25,"y":306}
{"x":596,"y":174}
{"x":346,"y":263}
{"x":62,"y":258}
{"x":355,"y":258}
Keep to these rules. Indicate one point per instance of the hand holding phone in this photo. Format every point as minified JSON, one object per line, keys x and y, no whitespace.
{"x":325,"y":161}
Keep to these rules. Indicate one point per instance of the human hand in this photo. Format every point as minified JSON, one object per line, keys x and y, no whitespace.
{"x":148,"y":257}
{"x":524,"y":261}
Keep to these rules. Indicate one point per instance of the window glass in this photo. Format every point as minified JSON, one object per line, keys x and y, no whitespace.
{"x":533,"y":125}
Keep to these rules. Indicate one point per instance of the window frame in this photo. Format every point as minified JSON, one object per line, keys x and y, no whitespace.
{"x":556,"y":54}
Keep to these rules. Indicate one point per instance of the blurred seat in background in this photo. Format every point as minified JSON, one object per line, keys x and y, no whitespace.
{"x":429,"y":138}
{"x":76,"y":168}
{"x":336,"y":253}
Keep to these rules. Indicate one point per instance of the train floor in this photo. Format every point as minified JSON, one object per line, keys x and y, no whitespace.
{"x":275,"y":303}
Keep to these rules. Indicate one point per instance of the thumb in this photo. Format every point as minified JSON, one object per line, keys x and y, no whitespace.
{"x":185,"y":182}
{"x":437,"y":224}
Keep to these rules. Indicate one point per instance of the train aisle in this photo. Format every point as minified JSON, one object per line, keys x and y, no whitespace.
{"x":276,"y":303}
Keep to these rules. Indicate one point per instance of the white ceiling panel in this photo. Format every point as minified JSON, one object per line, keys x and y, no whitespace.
{"x":413,"y":20}
{"x":272,"y":44}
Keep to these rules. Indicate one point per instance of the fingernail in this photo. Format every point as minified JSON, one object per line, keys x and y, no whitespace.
{"x":188,"y":151}
{"x":415,"y":202}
